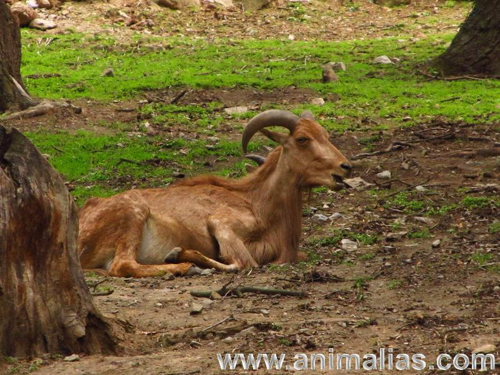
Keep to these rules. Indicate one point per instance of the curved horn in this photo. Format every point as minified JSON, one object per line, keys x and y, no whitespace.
{"x":256,"y":158}
{"x":307,"y":115}
{"x":273,"y":117}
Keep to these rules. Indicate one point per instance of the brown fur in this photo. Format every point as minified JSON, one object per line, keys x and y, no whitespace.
{"x":221,"y":223}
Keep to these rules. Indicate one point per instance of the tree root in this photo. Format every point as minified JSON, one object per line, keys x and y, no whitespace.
{"x":239,"y":291}
{"x":40,"y":110}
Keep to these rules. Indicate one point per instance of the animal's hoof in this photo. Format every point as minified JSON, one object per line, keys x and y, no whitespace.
{"x":233,"y":268}
{"x":194,"y":271}
{"x":173,"y":256}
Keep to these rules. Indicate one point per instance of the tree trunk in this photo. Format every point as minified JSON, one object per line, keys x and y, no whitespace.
{"x":13,"y":95}
{"x":45,"y":305}
{"x":476,"y":48}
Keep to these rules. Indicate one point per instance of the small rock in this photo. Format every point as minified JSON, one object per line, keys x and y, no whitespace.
{"x":196,"y":308}
{"x":108,"y":72}
{"x":390,"y":237}
{"x":236,"y":110}
{"x":488,"y":348}
{"x":382,"y":60}
{"x":335,"y":216}
{"x":178,"y":4}
{"x":246,"y":331}
{"x":168,"y":276}
{"x":436,"y":244}
{"x":120,"y":145}
{"x":264,"y":312}
{"x":320,"y":217}
{"x":45,"y":4}
{"x":318,"y":101}
{"x":228,"y":339}
{"x":357,"y":183}
{"x":348,"y":245}
{"x":210,"y":147}
{"x":338,"y":66}
{"x":253,"y":5}
{"x":23,"y":13}
{"x":405,"y":166}
{"x":215,"y":296}
{"x":208,"y":272}
{"x":424,"y":220}
{"x":384,"y":175}
{"x":291,"y":37}
{"x":213,"y":139}
{"x":72,"y":358}
{"x":328,"y":74}
{"x":420,"y":188}
{"x":496,"y":288}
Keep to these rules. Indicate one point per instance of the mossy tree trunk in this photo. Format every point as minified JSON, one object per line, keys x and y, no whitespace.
{"x":45,"y":305}
{"x":476,"y":48}
{"x":13,"y":95}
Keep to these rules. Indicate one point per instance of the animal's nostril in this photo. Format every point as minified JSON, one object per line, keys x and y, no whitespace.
{"x":346,"y":166}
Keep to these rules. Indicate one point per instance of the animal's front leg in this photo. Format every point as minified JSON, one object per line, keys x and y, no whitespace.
{"x":232,"y":249}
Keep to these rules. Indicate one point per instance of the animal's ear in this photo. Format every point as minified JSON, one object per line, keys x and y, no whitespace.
{"x":274,"y":136}
{"x":250,"y":168}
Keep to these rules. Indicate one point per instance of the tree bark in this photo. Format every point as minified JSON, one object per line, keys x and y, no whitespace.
{"x":45,"y":305}
{"x":476,"y":48}
{"x":13,"y":95}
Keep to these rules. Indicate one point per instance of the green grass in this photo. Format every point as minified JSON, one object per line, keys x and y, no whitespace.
{"x":481,"y":259}
{"x":422,"y":234}
{"x":495,"y":228}
{"x":336,"y":235}
{"x":384,"y":94}
{"x":101,"y":165}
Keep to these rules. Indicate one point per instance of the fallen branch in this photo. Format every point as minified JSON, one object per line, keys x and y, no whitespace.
{"x":247,"y":289}
{"x":229,"y":318}
{"x":100,"y":294}
{"x":486,"y":152}
{"x":178,"y":97}
{"x":396,"y":145}
{"x":411,"y":187}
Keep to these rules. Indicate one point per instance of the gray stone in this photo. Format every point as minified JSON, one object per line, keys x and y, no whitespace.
{"x":384,"y":175}
{"x":72,"y":358}
{"x":23,"y":13}
{"x":196,"y":308}
{"x":357,"y":183}
{"x":338,"y":66}
{"x":179,"y":4}
{"x":485,"y":349}
{"x":320,"y":217}
{"x":348,"y":245}
{"x":108,"y":72}
{"x":236,"y":110}
{"x":253,"y":5}
{"x":207,"y":272}
{"x":436,"y":244}
{"x":382,"y":60}
{"x":318,"y":101}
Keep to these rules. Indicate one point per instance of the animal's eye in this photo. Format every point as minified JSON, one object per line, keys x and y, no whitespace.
{"x":302,"y":140}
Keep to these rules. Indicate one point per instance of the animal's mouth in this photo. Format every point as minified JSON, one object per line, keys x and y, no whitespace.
{"x":340,"y":181}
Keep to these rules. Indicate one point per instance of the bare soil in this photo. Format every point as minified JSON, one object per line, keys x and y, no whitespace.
{"x":442,"y":302}
{"x":399,"y":292}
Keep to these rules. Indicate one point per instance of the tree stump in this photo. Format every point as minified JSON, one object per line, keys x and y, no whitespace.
{"x":476,"y":48}
{"x":13,"y":95}
{"x":45,"y":305}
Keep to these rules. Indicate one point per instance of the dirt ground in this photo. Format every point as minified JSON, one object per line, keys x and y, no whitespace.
{"x":400,"y":292}
{"x":443,"y":302}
